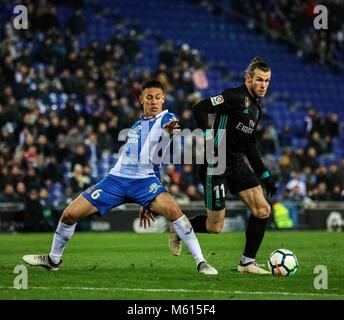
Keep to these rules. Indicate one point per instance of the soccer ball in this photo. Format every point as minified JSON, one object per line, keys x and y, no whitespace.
{"x":283,"y":262}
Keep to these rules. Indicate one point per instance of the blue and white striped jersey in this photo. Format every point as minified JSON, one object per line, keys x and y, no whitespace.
{"x":145,"y":147}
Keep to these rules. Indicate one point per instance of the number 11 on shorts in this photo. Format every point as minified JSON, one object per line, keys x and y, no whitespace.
{"x":217,"y":191}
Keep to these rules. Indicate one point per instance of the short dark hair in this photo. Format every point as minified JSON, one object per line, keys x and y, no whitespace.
{"x":257,"y":63}
{"x":151,"y":84}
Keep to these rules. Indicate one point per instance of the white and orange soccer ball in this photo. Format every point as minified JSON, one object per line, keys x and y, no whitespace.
{"x":282,"y":263}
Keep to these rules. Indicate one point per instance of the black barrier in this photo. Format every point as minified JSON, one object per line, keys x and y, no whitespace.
{"x":128,"y":220}
{"x":17,"y":217}
{"x":320,"y":216}
{"x":324,"y":219}
{"x":11,"y":214}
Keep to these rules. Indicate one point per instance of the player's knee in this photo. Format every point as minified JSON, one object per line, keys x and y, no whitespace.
{"x":215,"y":227}
{"x":262,"y":212}
{"x":172,"y":212}
{"x":69,"y":217}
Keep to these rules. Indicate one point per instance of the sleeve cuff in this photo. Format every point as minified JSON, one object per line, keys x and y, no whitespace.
{"x":265,"y":175}
{"x":207,"y":133}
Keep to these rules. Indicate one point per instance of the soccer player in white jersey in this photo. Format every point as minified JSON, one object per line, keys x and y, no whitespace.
{"x":134,"y":178}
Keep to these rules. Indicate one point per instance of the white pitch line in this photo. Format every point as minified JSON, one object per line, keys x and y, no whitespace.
{"x":189,"y":291}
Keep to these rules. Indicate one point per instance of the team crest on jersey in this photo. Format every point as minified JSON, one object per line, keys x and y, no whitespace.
{"x":217,"y":100}
{"x":218,"y":203}
{"x":133,"y":135}
{"x":137,"y":129}
{"x":247,"y":102}
{"x":154,"y":187}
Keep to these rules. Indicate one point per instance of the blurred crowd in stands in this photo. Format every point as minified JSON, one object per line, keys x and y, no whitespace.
{"x":62,"y":107}
{"x":293,"y":20}
{"x":300,"y":171}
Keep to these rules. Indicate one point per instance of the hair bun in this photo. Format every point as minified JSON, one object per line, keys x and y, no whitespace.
{"x":256,"y":59}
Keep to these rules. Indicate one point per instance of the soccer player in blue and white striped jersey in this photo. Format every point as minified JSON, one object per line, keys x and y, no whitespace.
{"x":134,"y":178}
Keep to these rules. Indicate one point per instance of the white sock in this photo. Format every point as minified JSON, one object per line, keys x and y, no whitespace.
{"x":62,"y":234}
{"x":246,"y":260}
{"x":186,"y":234}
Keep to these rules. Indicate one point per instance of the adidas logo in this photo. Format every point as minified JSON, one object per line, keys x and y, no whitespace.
{"x":246,"y":110}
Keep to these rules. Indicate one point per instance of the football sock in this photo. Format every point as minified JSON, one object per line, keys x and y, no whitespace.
{"x":254,"y":235}
{"x":199,"y":223}
{"x":62,"y":234}
{"x":184,"y":230}
{"x":246,"y":260}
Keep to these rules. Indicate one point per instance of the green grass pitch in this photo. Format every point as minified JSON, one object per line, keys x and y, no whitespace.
{"x":139,"y":266}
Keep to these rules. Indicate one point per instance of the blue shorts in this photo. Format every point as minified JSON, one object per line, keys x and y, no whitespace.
{"x":113,"y":191}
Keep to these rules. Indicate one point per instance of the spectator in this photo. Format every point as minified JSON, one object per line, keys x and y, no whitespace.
{"x":336,"y":193}
{"x":193,"y":193}
{"x":21,"y":192}
{"x":186,"y":120}
{"x":296,"y":187}
{"x":62,"y":152}
{"x":94,"y":149}
{"x":320,"y":193}
{"x":188,"y":176}
{"x":334,"y":177}
{"x":16,"y":175}
{"x":266,"y":145}
{"x":70,"y":111}
{"x":288,"y":163}
{"x":332,"y":125}
{"x":32,"y":179}
{"x":316,"y":143}
{"x":74,"y":138}
{"x":310,"y":119}
{"x":105,"y":142}
{"x":77,"y":23}
{"x":79,"y":181}
{"x":172,"y":176}
{"x":51,"y":172}
{"x":46,"y":17}
{"x":285,"y":137}
{"x":80,"y":155}
{"x":114,"y":130}
{"x":180,"y":197}
{"x":328,"y":146}
{"x":273,"y":135}
{"x":310,"y":159}
{"x":53,"y":129}
{"x":321,"y":175}
{"x":43,"y":146}
{"x":309,"y":177}
{"x":8,"y":194}
{"x":5,"y":178}
{"x":131,"y":47}
{"x":200,"y":79}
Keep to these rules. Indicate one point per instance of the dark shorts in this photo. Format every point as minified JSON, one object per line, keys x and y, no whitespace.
{"x":237,"y":178}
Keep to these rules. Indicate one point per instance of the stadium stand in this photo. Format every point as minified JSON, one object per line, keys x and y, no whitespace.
{"x":69,"y":84}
